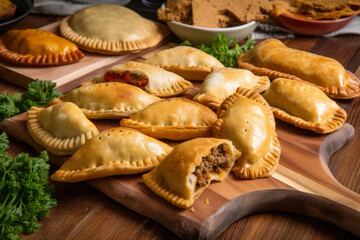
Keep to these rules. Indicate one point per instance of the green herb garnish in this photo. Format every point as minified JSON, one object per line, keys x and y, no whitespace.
{"x":38,"y":94}
{"x":227,"y":52}
{"x":25,"y":195}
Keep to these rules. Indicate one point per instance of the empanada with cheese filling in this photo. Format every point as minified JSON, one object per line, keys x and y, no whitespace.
{"x":111,"y":29}
{"x":150,"y":78}
{"x":188,"y":62}
{"x":115,"y":151}
{"x":174,"y":119}
{"x":111,"y":100}
{"x":37,"y":48}
{"x":304,"y":106}
{"x":61,"y":129}
{"x":246,"y":119}
{"x":189,"y":169}
{"x":274,"y":59}
{"x":222,"y":82}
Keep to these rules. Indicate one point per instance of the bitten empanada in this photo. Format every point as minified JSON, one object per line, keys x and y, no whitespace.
{"x":304,"y":106}
{"x":111,"y":100}
{"x":150,"y":78}
{"x":37,"y":48}
{"x":222,"y":82}
{"x":274,"y":59}
{"x":174,"y":119}
{"x":189,"y":169}
{"x":188,"y":62}
{"x":111,"y":29}
{"x":61,"y":129}
{"x":115,"y":151}
{"x":246,"y":119}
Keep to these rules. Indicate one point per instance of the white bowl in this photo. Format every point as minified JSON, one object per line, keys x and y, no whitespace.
{"x":197,"y":35}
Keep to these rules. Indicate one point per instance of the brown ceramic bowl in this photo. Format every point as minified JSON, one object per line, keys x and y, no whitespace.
{"x":311,"y":27}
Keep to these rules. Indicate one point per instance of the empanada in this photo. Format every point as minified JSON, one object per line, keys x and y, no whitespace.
{"x":174,"y":119}
{"x":61,"y":129}
{"x":188,"y":62}
{"x":115,"y":151}
{"x":37,"y":48}
{"x":274,"y":59}
{"x":304,"y":106}
{"x":246,"y":119}
{"x":111,"y":29}
{"x":111,"y":100}
{"x":150,"y":78}
{"x":222,"y":82}
{"x":189,"y":169}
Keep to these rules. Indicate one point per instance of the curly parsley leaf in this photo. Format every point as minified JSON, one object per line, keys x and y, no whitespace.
{"x":25,"y":195}
{"x":227,"y":52}
{"x":38,"y":94}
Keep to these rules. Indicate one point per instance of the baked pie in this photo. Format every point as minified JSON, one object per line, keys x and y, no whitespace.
{"x":274,"y":59}
{"x":222,"y":82}
{"x":115,"y":151}
{"x":246,"y":119}
{"x":304,"y":106}
{"x":37,"y":48}
{"x":150,"y":78}
{"x":188,"y":62}
{"x":61,"y":129}
{"x":111,"y":29}
{"x":173,"y":119}
{"x":189,"y":169}
{"x":110,"y":100}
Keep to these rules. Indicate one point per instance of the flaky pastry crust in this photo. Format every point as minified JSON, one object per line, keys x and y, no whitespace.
{"x":61,"y":129}
{"x":246,"y":119}
{"x":115,"y":151}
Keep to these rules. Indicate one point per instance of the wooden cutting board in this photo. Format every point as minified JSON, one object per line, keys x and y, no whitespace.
{"x":302,"y":184}
{"x":65,"y":75}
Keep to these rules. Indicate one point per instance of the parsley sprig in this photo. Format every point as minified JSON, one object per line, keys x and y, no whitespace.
{"x":38,"y":94}
{"x":25,"y":195}
{"x":227,"y":52}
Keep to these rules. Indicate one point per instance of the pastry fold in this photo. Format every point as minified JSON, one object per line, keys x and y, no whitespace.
{"x":246,"y":119}
{"x":111,"y":29}
{"x":273,"y":58}
{"x":61,"y":129}
{"x":152,"y":79}
{"x":111,"y":100}
{"x":115,"y":151}
{"x":304,"y":106}
{"x":222,"y":82}
{"x":189,"y":169}
{"x":37,"y":48}
{"x":188,"y":62}
{"x":173,"y":119}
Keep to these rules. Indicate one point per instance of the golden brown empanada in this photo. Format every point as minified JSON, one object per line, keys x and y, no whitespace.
{"x":115,"y":151}
{"x":37,"y":48}
{"x":304,"y":106}
{"x":222,"y":82}
{"x":188,"y":62}
{"x":111,"y":100}
{"x":61,"y":129}
{"x":274,"y":59}
{"x":150,"y":78}
{"x":174,"y":119}
{"x":189,"y":168}
{"x":111,"y":29}
{"x":246,"y":119}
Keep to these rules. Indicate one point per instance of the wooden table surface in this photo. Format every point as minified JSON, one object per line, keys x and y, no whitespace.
{"x":83,"y":212}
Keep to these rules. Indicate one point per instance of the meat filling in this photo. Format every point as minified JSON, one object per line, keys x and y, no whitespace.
{"x":127,"y":77}
{"x":218,"y":159}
